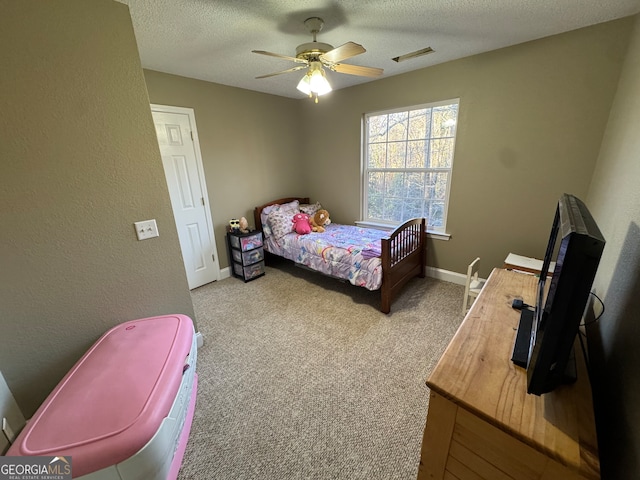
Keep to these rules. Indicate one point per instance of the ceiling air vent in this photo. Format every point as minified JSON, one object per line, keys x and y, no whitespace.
{"x":409,"y":56}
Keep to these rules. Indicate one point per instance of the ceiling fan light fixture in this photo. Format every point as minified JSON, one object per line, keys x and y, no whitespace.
{"x":316,"y":56}
{"x":315,"y":81}
{"x":305,"y":85}
{"x":319,"y":83}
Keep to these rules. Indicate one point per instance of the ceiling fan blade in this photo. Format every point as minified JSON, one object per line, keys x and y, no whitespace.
{"x":357,"y":70}
{"x":277,"y":55}
{"x":348,"y":50}
{"x":299,"y":67}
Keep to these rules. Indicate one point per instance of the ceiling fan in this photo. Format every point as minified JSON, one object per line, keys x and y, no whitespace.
{"x":315,"y":56}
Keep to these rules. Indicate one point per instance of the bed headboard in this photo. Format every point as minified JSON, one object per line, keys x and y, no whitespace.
{"x":258,"y":210}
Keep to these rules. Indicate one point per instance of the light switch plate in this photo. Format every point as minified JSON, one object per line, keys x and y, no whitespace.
{"x":146,"y":229}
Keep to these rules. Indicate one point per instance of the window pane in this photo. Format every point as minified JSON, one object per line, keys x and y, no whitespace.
{"x":412,"y":209}
{"x":414,"y":187}
{"x":436,"y":185}
{"x":441,"y":153}
{"x":398,"y":124}
{"x":376,"y":183}
{"x":376,"y":195}
{"x":378,"y":129}
{"x":440,"y":191}
{"x":392,"y":210}
{"x":419,"y":123}
{"x":394,"y":184}
{"x":417,"y":154}
{"x":436,"y":214}
{"x":377,"y":155}
{"x":444,"y":121}
{"x":375,"y":206}
{"x":397,"y":155}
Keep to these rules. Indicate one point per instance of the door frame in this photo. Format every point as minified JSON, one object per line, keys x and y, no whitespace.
{"x":190,"y":112}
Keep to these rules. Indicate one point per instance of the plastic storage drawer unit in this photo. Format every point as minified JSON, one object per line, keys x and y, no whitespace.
{"x":246,"y":255}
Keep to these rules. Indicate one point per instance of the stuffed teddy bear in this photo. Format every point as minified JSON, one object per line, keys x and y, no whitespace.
{"x":319,"y":220}
{"x":244,"y":225}
{"x":301,"y":223}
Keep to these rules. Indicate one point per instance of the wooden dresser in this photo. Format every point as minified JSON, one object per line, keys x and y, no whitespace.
{"x":482,"y":424}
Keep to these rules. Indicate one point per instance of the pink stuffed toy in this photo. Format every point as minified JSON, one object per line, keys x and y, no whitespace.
{"x":301,"y":223}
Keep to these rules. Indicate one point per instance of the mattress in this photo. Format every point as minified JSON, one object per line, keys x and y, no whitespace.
{"x":121,"y":411}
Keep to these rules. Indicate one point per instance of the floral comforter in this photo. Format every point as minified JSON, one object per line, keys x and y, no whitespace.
{"x":344,"y":251}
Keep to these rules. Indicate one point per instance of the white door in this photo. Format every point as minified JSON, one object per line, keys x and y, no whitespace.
{"x":180,"y":151}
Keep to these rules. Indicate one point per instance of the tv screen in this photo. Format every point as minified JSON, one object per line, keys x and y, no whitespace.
{"x":576,"y":245}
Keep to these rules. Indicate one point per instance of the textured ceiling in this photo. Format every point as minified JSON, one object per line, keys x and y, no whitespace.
{"x":212,"y":39}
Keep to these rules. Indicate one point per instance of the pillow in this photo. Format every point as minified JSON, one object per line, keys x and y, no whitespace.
{"x":310,"y":208}
{"x":264,"y":215}
{"x":293,"y":205}
{"x":280,"y":222}
{"x":263,"y":219}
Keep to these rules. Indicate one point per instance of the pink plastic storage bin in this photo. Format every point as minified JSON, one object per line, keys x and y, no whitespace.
{"x":115,"y":398}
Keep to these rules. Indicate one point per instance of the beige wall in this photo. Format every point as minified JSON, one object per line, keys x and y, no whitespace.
{"x":249,"y":142}
{"x":614,"y":200}
{"x":79,"y":163}
{"x":531,"y":121}
{"x":532,"y":118}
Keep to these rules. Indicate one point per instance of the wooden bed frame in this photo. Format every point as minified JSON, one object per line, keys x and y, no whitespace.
{"x":402,"y":259}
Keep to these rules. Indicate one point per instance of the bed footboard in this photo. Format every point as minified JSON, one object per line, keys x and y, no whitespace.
{"x":404,"y":255}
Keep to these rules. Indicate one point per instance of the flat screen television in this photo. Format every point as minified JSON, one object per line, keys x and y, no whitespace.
{"x":549,"y":330}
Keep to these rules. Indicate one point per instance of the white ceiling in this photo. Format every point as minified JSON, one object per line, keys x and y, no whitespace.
{"x":212,"y":39}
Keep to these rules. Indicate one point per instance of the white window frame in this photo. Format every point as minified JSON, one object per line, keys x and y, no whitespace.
{"x":364,"y":171}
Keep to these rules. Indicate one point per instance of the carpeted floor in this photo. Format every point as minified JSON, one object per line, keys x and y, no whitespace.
{"x":302,"y":377}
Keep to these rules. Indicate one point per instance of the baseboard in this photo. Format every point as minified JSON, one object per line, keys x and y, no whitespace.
{"x":446,"y":275}
{"x":199,"y":340}
{"x":225,"y":273}
{"x":437,"y":273}
{"x":449,"y":276}
{"x":10,"y":415}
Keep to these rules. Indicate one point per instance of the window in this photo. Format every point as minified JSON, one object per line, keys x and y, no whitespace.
{"x":407,"y":162}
